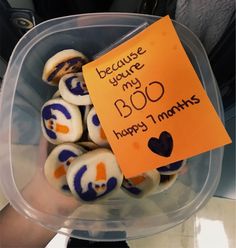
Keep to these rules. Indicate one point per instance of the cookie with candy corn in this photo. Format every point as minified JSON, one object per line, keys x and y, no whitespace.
{"x":172,"y":168}
{"x":94,"y":176}
{"x":141,"y":185}
{"x":73,"y":89}
{"x":57,"y":164}
{"x":95,"y":130}
{"x":63,"y":62}
{"x":61,"y":121}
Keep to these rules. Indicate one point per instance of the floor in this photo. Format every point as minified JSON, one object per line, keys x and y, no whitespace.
{"x":213,"y":226}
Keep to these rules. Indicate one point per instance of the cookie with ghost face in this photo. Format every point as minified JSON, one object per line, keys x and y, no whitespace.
{"x":141,"y":185}
{"x":63,"y":62}
{"x":172,"y":168}
{"x":94,"y":176}
{"x":57,"y":164}
{"x":95,"y":130}
{"x":61,"y":121}
{"x":73,"y":89}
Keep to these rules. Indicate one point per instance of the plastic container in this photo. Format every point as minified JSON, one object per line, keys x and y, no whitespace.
{"x":23,"y":149}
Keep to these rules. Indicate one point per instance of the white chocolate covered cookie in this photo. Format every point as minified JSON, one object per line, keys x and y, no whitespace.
{"x":63,"y":62}
{"x":95,"y":130}
{"x":94,"y":175}
{"x":73,"y":89}
{"x":61,"y":121}
{"x":57,"y":164}
{"x":141,"y":185}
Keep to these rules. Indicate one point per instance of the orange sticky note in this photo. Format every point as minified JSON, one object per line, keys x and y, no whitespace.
{"x":150,"y":102}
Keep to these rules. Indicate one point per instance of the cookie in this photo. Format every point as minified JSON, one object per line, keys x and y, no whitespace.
{"x":172,"y":168}
{"x":141,"y":185}
{"x":94,"y":176}
{"x":73,"y":89}
{"x":63,"y":62}
{"x":61,"y":121}
{"x":95,"y":130}
{"x":57,"y":164}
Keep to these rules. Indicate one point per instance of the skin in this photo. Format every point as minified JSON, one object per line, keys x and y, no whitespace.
{"x":17,"y":231}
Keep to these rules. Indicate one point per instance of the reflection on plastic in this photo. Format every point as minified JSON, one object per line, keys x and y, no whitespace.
{"x":122,"y":39}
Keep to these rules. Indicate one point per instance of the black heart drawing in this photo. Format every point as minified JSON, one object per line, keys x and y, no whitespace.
{"x":162,"y":146}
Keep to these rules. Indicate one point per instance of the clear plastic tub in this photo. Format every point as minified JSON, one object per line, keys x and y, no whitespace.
{"x":23,"y":149}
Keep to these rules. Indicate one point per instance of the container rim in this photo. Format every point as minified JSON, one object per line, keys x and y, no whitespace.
{"x":6,"y":106}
